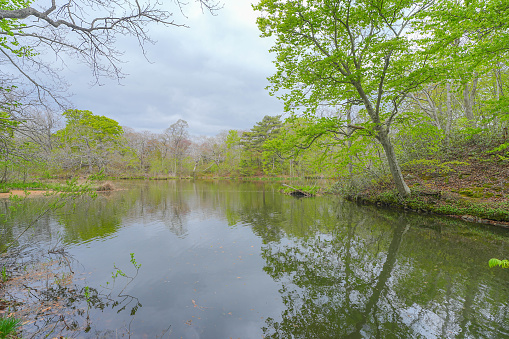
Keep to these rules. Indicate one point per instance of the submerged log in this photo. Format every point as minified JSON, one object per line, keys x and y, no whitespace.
{"x":298,"y":192}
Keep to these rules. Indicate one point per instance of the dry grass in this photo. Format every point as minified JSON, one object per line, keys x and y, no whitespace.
{"x":106,"y":186}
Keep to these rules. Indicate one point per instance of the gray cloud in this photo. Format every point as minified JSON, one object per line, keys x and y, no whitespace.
{"x":212,"y":75}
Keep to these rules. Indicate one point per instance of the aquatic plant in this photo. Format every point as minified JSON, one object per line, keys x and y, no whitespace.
{"x":497,"y":262}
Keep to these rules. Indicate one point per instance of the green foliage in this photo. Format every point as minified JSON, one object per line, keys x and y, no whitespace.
{"x":437,"y":203}
{"x":347,"y":75}
{"x":339,"y":54}
{"x":88,"y":140}
{"x":9,"y":327}
{"x":82,"y":124}
{"x":119,"y":272}
{"x":4,"y":274}
{"x":470,"y":193}
{"x":7,"y":124}
{"x":233,"y":151}
{"x":324,"y":146}
{"x":263,"y":131}
{"x":417,"y":138}
{"x":496,"y":262}
{"x":450,"y":22}
{"x":313,"y":190}
{"x":33,"y":185}
{"x":466,"y":131}
{"x":8,"y":27}
{"x":54,"y":201}
{"x":315,"y":71}
{"x":133,"y":261}
{"x":97,"y":176}
{"x":482,"y":210}
{"x":257,"y":157}
{"x":501,"y":148}
{"x":86,"y":293}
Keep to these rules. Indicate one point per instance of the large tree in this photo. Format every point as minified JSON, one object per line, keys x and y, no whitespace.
{"x":255,"y":152}
{"x":88,"y":140}
{"x":344,"y":52}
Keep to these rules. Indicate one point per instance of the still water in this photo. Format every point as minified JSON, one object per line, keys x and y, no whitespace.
{"x":241,"y":260}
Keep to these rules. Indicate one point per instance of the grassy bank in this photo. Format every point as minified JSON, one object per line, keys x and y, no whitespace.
{"x":30,"y":186}
{"x":471,"y":182}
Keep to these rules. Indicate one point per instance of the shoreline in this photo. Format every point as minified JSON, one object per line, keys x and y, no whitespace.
{"x":431,"y":211}
{"x":31,"y":193}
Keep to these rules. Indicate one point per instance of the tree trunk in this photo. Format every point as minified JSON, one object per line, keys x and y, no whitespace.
{"x":384,"y":139}
{"x":498,"y":90}
{"x":449,"y":114}
{"x":380,"y":289}
{"x":349,"y":143}
{"x":194,"y":168}
{"x":434,"y":109}
{"x":469,"y":99}
{"x":401,"y":185}
{"x":4,"y":175}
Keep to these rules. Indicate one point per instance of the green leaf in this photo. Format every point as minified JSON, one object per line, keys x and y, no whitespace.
{"x":494,"y":262}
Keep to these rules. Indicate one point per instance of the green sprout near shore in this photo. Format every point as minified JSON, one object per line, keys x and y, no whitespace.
{"x":497,"y":262}
{"x":4,"y":274}
{"x":9,"y":327}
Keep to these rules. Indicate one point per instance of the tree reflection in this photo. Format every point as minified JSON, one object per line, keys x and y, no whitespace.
{"x":166,"y":202}
{"x":90,"y":219}
{"x":333,"y":285}
{"x":360,"y":280}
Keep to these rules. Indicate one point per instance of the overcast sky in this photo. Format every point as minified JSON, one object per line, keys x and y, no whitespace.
{"x":212,"y":74}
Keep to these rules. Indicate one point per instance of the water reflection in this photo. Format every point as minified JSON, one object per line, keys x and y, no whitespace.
{"x":224,"y":259}
{"x":379,"y":278}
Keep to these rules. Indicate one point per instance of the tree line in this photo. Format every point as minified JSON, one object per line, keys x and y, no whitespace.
{"x":78,"y":142}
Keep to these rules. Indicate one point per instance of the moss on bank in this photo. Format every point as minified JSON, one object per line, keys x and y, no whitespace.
{"x":439,"y":203}
{"x":474,"y":189}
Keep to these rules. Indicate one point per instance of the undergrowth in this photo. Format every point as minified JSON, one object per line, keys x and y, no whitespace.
{"x":9,"y":327}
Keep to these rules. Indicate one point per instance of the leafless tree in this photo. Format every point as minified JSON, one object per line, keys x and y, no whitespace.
{"x":214,"y":150}
{"x":177,"y":137}
{"x":141,"y":144}
{"x":85,"y":30}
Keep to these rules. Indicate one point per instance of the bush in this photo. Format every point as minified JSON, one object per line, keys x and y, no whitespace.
{"x":107,"y":186}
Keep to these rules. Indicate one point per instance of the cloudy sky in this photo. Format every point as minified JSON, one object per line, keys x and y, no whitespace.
{"x":212,"y":74}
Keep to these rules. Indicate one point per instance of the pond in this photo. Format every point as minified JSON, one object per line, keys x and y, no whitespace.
{"x":241,"y":260}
